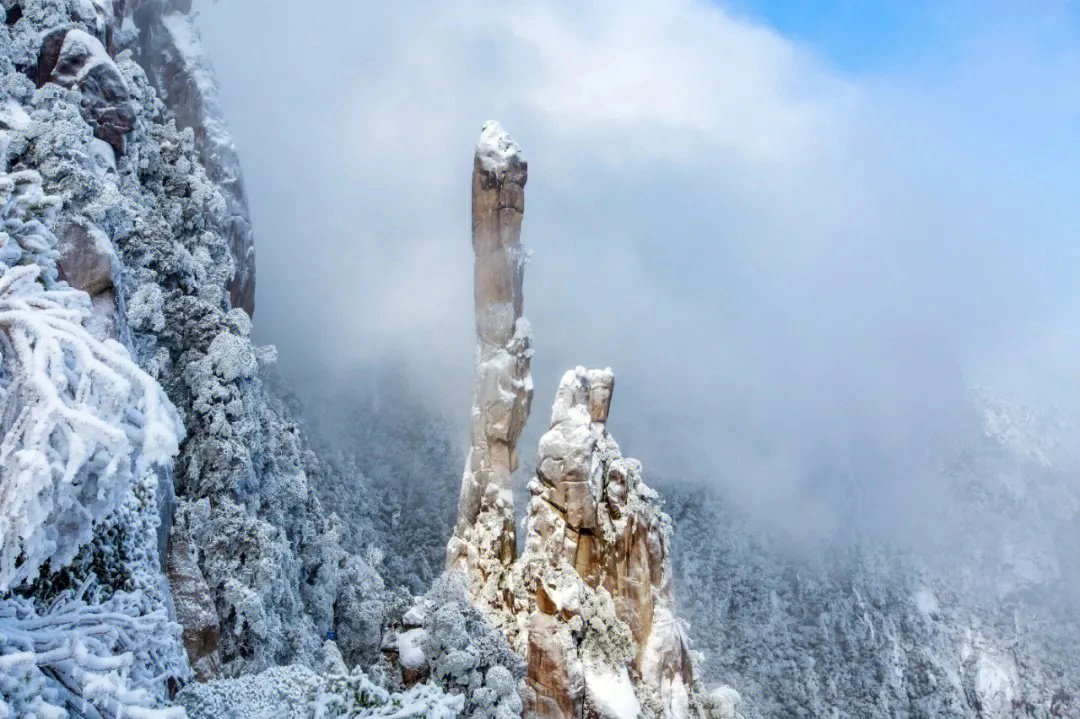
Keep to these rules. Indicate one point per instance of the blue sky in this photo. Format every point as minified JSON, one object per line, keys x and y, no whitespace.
{"x":858,"y":36}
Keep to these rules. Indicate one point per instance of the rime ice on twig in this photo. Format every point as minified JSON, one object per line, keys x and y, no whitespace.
{"x":79,"y":421}
{"x":98,"y":657}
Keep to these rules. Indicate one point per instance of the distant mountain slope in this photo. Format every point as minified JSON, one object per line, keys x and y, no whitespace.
{"x":980,"y":622}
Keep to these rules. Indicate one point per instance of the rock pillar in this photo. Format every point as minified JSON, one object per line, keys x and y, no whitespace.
{"x":483,"y":545}
{"x":592,"y":591}
{"x":589,"y":603}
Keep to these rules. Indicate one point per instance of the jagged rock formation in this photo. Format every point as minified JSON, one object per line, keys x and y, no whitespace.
{"x":195,"y":610}
{"x":483,"y":544}
{"x":88,"y":262}
{"x":589,"y":603}
{"x":591,"y":595}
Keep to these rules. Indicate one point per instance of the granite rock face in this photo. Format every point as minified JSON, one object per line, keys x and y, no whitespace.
{"x":483,"y":543}
{"x":592,"y":593}
{"x":75,"y":58}
{"x":88,"y":262}
{"x":195,"y":610}
{"x":589,"y":603}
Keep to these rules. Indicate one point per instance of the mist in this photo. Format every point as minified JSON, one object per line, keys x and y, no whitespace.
{"x":797,"y":270}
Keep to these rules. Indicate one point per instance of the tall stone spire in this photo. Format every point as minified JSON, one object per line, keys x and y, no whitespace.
{"x":483,"y":545}
{"x":589,"y":604}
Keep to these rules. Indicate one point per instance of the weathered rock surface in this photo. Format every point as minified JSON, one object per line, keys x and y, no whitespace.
{"x":589,"y":603}
{"x":195,"y":610}
{"x":483,"y":543}
{"x":108,"y":16}
{"x":88,"y":262}
{"x":591,"y":595}
{"x":75,"y":58}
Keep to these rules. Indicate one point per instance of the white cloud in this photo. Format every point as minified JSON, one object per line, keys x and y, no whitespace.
{"x":678,"y":74}
{"x":746,"y":235}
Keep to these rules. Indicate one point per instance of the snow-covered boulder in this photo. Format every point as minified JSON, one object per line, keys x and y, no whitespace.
{"x":75,"y":58}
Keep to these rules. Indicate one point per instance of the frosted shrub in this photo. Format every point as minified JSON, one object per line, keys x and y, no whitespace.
{"x":296,"y":691}
{"x":74,"y":655}
{"x":26,"y":209}
{"x":79,"y":419}
{"x":467,"y":654}
{"x":82,"y":433}
{"x":356,"y":696}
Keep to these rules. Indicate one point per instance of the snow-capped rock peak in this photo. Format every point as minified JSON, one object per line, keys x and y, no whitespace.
{"x":497,"y":152}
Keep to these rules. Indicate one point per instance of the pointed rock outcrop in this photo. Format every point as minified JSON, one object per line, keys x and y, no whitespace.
{"x":483,"y":544}
{"x":592,"y":592}
{"x":589,"y":603}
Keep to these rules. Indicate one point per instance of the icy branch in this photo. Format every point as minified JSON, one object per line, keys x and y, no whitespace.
{"x":78,"y":419}
{"x":90,"y":658}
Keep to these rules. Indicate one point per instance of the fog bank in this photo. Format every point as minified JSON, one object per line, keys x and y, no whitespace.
{"x":797,"y":272}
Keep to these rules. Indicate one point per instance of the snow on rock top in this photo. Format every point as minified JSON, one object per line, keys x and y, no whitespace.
{"x":80,"y":53}
{"x":410,"y":646}
{"x":496,"y":150}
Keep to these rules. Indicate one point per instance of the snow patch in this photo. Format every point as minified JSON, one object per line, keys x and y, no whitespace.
{"x":995,"y":681}
{"x":14,"y":117}
{"x":722,"y":703}
{"x":611,"y":693}
{"x":497,"y":151}
{"x":187,"y":43}
{"x":410,"y":647}
{"x":927,"y":603}
{"x":415,"y":617}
